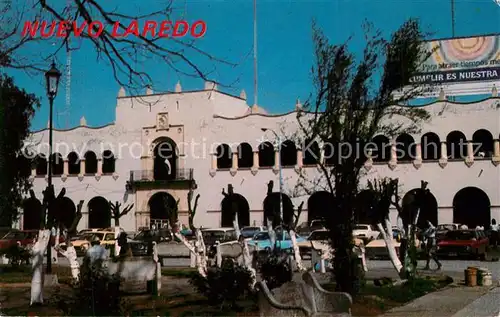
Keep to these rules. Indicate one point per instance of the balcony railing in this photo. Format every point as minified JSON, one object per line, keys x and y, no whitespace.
{"x":181,"y":174}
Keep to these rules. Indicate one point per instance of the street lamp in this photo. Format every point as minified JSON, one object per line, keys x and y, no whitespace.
{"x":281,"y":175}
{"x":52,"y":77}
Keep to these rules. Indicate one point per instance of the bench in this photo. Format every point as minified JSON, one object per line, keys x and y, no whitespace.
{"x":306,"y":298}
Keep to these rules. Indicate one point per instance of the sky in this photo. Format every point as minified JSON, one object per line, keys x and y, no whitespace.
{"x":285,"y":51}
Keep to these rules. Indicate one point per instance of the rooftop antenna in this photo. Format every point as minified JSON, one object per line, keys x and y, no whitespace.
{"x":255,"y":51}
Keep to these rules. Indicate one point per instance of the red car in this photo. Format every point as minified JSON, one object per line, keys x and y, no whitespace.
{"x":463,"y":243}
{"x":24,"y":237}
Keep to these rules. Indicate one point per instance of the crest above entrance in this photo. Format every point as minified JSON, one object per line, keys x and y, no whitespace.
{"x":162,"y":121}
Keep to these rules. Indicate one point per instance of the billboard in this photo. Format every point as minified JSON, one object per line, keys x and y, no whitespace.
{"x":461,"y":60}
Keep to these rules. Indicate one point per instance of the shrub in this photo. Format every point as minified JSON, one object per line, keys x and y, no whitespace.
{"x":97,"y":294}
{"x":16,"y":254}
{"x":275,"y":269}
{"x":225,"y":285}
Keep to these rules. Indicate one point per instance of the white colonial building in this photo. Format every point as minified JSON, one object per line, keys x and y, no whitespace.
{"x":220,"y":141}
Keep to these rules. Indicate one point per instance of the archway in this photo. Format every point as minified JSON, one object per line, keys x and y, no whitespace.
{"x":381,"y":148}
{"x":165,"y":160}
{"x":41,"y":165}
{"x":159,"y":206}
{"x":456,"y":145}
{"x":229,"y":204}
{"x":471,"y":206}
{"x":319,"y":205}
{"x":66,"y":211}
{"x":272,"y":209}
{"x":363,"y":210}
{"x":245,"y":155}
{"x":90,"y":163}
{"x":108,"y":162}
{"x":73,"y":164}
{"x":99,"y":213}
{"x":224,"y":156}
{"x":288,"y":153}
{"x":425,"y":201}
{"x":430,"y":146}
{"x":483,"y":143}
{"x":405,"y":147}
{"x":311,"y":153}
{"x":57,"y":164}
{"x":266,"y":154}
{"x":32,"y":214}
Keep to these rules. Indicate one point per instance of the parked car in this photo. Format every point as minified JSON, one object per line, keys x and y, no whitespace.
{"x":365,"y":232}
{"x":305,"y":247}
{"x":262,"y":241}
{"x":141,"y":244}
{"x":25,"y":238}
{"x":467,"y":243}
{"x":212,"y":236}
{"x":442,"y":229}
{"x":249,"y":232}
{"x":377,"y":249}
{"x":81,"y":243}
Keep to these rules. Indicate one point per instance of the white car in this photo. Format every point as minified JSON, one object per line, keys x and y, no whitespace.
{"x":365,"y":232}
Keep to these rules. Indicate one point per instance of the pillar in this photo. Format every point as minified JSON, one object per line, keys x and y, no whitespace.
{"x":496,"y":148}
{"x":82,"y":167}
{"x":470,"y":150}
{"x":235,"y":160}
{"x":99,"y":166}
{"x":33,"y":171}
{"x":418,"y":152}
{"x":256,"y":159}
{"x":277,"y":159}
{"x":214,"y":161}
{"x":299,"y":158}
{"x":444,"y":151}
{"x":66,"y":167}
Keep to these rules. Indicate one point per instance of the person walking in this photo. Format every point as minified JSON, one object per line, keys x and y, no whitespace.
{"x":431,"y":246}
{"x":96,"y":252}
{"x":494,"y":233}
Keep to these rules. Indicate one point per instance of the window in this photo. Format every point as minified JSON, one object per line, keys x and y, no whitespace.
{"x":261,"y":236}
{"x":318,"y":236}
{"x":361,"y":227}
{"x":110,"y":236}
{"x":460,"y":235}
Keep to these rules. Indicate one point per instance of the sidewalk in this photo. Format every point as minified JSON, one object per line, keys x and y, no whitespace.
{"x":449,"y":302}
{"x":486,"y":305}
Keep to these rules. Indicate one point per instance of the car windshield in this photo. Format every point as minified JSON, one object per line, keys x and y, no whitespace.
{"x":460,"y":235}
{"x":261,"y":236}
{"x":90,"y":236}
{"x":359,"y":227}
{"x":445,"y":227}
{"x":214,"y":234}
{"x":249,"y":232}
{"x":318,"y":235}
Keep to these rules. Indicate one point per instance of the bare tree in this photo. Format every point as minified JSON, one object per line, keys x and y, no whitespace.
{"x":351,"y":103}
{"x":123,"y":53}
{"x":116,"y":214}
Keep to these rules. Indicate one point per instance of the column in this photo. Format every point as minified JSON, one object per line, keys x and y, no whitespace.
{"x":496,"y":148}
{"x":299,"y":158}
{"x":33,"y":171}
{"x":214,"y":161}
{"x":99,"y":166}
{"x":66,"y":167}
{"x":277,"y":159}
{"x":470,"y":150}
{"x":418,"y":152}
{"x":256,"y":159}
{"x":444,"y":151}
{"x":235,"y":160}
{"x":82,"y":167}
{"x":321,"y":153}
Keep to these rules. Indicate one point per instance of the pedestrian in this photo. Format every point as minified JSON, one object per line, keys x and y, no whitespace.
{"x":96,"y":252}
{"x":431,"y":245}
{"x":494,"y":233}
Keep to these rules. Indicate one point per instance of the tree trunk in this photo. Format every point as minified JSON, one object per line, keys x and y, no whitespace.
{"x":393,"y":256}
{"x":199,"y":251}
{"x":38,"y":253}
{"x":272,"y":234}
{"x":117,"y":234}
{"x":296,"y":251}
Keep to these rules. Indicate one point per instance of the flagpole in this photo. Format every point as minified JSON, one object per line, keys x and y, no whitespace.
{"x":255,"y":51}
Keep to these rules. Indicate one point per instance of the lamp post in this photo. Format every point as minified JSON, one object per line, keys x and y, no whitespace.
{"x":280,"y":174}
{"x":52,"y":77}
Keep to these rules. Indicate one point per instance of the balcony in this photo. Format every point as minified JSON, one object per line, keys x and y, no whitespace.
{"x":145,"y":179}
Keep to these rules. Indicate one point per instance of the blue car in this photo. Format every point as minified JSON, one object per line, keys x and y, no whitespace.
{"x":262,"y":241}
